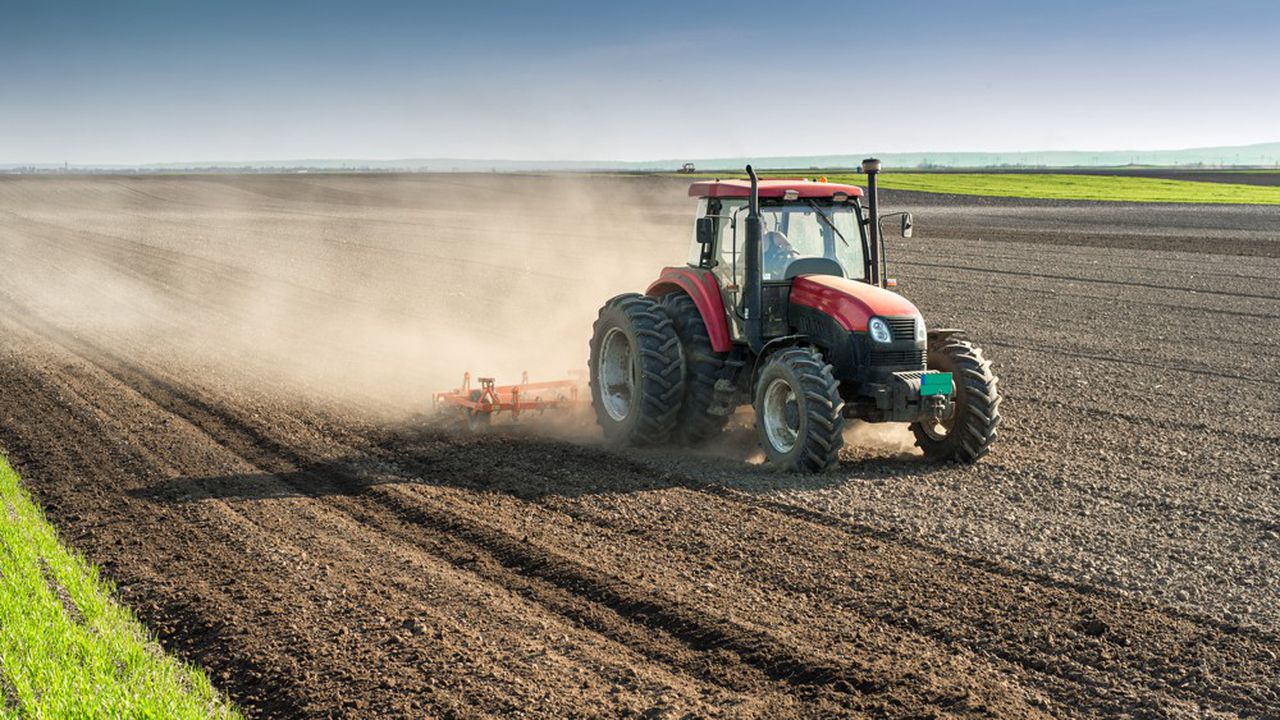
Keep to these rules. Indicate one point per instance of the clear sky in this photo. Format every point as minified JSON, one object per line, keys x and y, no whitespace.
{"x":138,"y":82}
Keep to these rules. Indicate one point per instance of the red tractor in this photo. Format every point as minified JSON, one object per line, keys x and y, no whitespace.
{"x":783,"y":304}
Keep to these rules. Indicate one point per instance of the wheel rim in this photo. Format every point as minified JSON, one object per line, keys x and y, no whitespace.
{"x":616,"y":370}
{"x":781,"y":416}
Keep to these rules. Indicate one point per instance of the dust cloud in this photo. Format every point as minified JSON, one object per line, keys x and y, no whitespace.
{"x":370,"y":289}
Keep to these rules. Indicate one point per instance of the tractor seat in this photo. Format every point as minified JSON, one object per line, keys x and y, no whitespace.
{"x":813,"y":266}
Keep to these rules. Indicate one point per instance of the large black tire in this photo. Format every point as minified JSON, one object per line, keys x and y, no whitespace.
{"x":637,"y":371}
{"x":702,"y":367}
{"x":798,"y":398}
{"x":967,"y":435}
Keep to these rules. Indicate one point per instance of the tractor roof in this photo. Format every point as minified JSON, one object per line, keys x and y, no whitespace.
{"x":771,"y":189}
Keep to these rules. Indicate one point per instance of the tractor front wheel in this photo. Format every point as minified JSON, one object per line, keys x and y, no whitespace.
{"x":799,"y":411}
{"x":967,"y":434}
{"x":637,"y":371}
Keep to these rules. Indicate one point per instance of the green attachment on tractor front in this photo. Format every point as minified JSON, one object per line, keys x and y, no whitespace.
{"x":936,"y":383}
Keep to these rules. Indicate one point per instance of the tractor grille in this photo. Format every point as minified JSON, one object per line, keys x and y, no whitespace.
{"x":898,"y":358}
{"x":902,"y":328}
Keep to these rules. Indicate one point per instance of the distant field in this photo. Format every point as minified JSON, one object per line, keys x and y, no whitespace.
{"x":1074,"y":187}
{"x":1231,"y":176}
{"x":1258,"y":187}
{"x":67,"y":649}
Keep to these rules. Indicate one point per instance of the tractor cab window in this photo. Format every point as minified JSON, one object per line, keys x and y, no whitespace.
{"x":789,"y":231}
{"x":792,"y":231}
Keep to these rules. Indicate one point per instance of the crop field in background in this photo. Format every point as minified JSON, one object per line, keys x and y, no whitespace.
{"x":1070,"y":186}
{"x":1253,"y":187}
{"x":66,"y":648}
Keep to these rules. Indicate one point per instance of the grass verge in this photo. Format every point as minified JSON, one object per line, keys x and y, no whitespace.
{"x":1075,"y":187}
{"x":66,"y":648}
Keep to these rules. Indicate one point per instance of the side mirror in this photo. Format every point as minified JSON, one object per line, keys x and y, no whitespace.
{"x":706,"y":231}
{"x":906,"y":225}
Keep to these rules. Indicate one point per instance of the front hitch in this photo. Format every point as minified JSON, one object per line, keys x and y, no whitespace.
{"x":915,"y":395}
{"x":939,"y":408}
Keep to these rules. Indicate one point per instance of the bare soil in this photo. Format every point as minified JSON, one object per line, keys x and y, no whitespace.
{"x":213,"y":386}
{"x":1249,"y":230}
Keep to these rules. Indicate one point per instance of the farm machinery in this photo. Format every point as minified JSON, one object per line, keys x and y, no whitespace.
{"x":477,"y":405}
{"x":784,"y":304}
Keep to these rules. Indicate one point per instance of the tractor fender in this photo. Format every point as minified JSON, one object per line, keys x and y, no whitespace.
{"x":771,"y":347}
{"x":941,"y":334}
{"x":702,"y":288}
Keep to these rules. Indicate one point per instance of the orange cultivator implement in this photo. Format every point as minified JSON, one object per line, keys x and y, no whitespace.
{"x":479,"y":404}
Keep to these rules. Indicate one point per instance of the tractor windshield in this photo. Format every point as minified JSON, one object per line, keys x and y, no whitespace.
{"x":791,"y":231}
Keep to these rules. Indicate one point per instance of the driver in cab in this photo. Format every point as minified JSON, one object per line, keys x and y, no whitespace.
{"x":777,"y":254}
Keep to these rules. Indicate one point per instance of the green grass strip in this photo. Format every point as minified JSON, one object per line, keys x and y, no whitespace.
{"x":1074,"y":187}
{"x":67,"y":650}
{"x":1051,"y":186}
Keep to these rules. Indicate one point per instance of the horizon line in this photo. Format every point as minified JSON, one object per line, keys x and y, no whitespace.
{"x":303,"y":161}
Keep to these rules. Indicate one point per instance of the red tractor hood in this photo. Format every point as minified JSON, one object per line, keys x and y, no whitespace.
{"x":850,"y":302}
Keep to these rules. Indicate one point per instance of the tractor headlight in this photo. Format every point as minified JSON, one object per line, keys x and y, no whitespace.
{"x":880,"y":330}
{"x":921,"y":334}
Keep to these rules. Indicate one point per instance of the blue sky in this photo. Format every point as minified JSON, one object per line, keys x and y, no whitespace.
{"x":138,"y":82}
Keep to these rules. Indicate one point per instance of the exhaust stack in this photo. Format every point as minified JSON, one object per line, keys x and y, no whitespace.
{"x":753,"y":297}
{"x":871,"y":167}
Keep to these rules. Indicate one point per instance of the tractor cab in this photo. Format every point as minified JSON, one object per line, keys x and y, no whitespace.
{"x":806,"y":228}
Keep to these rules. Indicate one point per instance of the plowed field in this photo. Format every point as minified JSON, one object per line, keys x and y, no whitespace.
{"x":214,"y":384}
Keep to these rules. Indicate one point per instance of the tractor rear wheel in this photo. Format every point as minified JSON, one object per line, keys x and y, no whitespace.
{"x":702,"y":367}
{"x":799,"y":411}
{"x":637,"y":371}
{"x":967,"y":435}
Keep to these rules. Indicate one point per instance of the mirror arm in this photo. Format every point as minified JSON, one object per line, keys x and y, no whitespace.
{"x":884,"y":255}
{"x":886,"y":216}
